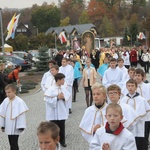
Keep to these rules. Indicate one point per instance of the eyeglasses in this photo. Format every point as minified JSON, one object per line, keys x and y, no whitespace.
{"x":112,"y":93}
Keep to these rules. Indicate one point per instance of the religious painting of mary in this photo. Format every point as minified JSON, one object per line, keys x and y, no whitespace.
{"x":88,"y":41}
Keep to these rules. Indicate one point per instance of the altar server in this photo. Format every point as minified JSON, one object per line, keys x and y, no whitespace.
{"x":142,"y":108}
{"x":47,"y":74}
{"x":144,"y":90}
{"x":51,"y":80}
{"x":56,"y":97}
{"x":13,"y":116}
{"x":129,"y":114}
{"x":48,"y":136}
{"x":131,"y":74}
{"x":113,"y":75}
{"x":68,"y":71}
{"x":94,"y":116}
{"x":123,"y":69}
{"x":113,"y":136}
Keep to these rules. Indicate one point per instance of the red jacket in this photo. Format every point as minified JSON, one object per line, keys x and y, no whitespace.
{"x":133,"y":56}
{"x":14,"y":74}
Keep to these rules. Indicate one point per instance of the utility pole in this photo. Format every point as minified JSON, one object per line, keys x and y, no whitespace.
{"x":55,"y":41}
{"x":2,"y":35}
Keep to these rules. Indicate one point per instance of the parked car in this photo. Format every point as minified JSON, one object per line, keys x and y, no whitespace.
{"x":20,"y":54}
{"x":35,"y":54}
{"x":17,"y":61}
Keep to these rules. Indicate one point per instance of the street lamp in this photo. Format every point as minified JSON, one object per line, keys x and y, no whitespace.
{"x":2,"y":35}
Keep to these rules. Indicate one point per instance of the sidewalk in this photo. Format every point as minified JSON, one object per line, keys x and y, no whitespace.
{"x":36,"y":114}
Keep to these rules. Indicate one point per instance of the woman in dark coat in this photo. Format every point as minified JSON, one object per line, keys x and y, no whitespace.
{"x":2,"y":83}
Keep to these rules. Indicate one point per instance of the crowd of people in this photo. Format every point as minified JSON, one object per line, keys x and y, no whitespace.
{"x":117,"y":114}
{"x":117,"y":106}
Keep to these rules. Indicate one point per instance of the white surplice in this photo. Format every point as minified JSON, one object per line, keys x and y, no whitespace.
{"x":124,"y":71}
{"x":130,"y":116}
{"x":142,"y":108}
{"x":12,"y":115}
{"x":44,"y":80}
{"x":92,"y":117}
{"x":50,"y":81}
{"x":113,"y":76}
{"x":56,"y":109}
{"x":124,"y":141}
{"x":124,"y":90}
{"x":144,"y":90}
{"x":68,"y":71}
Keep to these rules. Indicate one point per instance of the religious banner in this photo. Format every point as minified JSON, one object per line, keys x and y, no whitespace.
{"x":87,"y":39}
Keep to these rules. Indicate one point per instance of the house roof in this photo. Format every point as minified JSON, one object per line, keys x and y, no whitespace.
{"x":80,"y":28}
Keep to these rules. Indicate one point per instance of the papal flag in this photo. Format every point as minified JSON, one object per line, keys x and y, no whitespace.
{"x":62,"y":37}
{"x":15,"y":26}
{"x":12,"y":25}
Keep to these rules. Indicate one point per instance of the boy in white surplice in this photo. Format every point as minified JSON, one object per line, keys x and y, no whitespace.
{"x":56,"y":111}
{"x":141,"y":106}
{"x":113,"y":136}
{"x":48,"y":136}
{"x":13,"y":116}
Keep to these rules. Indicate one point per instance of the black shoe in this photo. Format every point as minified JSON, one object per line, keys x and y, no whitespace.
{"x":70,"y":111}
{"x":63,"y":144}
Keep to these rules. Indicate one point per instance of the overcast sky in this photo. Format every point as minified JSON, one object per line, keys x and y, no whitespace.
{"x":23,"y":3}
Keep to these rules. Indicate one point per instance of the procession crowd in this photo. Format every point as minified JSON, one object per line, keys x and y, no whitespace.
{"x":117,"y":114}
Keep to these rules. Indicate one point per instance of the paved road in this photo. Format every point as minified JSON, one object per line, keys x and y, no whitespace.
{"x":28,"y":141}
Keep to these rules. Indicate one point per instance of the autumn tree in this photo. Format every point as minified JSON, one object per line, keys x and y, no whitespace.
{"x":65,"y":22}
{"x":137,"y":4}
{"x":133,"y":26}
{"x":45,"y":17}
{"x":106,"y":28}
{"x":83,"y":18}
{"x":72,"y":9}
{"x":96,"y":11}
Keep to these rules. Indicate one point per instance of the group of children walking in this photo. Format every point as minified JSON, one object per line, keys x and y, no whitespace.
{"x":119,"y":117}
{"x":117,"y":114}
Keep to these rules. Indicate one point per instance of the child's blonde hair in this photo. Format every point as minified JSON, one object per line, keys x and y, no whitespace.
{"x":100,"y":87}
{"x":11,"y":86}
{"x":115,"y":107}
{"x":48,"y":127}
{"x":114,"y":87}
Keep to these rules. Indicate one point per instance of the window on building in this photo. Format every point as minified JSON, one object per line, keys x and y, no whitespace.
{"x":18,"y":30}
{"x":24,"y":30}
